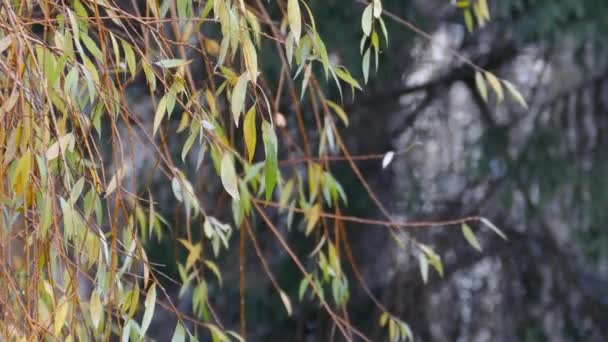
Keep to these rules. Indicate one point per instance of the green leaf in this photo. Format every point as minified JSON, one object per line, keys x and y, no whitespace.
{"x":213,"y":267}
{"x":237,"y":102}
{"x":365,"y":64}
{"x":149,"y":304}
{"x":366,"y":20}
{"x":481,"y":86}
{"x":470,"y":237}
{"x":424,"y":267}
{"x":179,"y":335}
{"x":468,"y":20}
{"x":251,"y":57}
{"x":295,"y":19}
{"x":493,"y":227}
{"x":271,"y":168}
{"x":249,"y":131}
{"x":228,"y":175}
{"x":515,"y":93}
{"x":129,"y":57}
{"x":377,"y":8}
{"x":383,"y":319}
{"x":172,"y":63}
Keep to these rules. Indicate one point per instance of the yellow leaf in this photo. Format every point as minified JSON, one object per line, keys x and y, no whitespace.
{"x":22,"y":173}
{"x":313,"y":217}
{"x":495,"y":84}
{"x":95,"y":308}
{"x":294,"y":18}
{"x":61,"y":313}
{"x":228,"y":175}
{"x":161,"y":109}
{"x":183,"y":122}
{"x":249,"y":131}
{"x":211,"y":47}
{"x":339,"y":111}
{"x":194,"y":252}
{"x":481,"y":86}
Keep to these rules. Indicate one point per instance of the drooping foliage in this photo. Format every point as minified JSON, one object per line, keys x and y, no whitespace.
{"x":237,"y":86}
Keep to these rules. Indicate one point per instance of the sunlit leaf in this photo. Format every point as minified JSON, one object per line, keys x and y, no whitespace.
{"x":228,"y":175}
{"x":95,"y":308}
{"x":250,"y":132}
{"x":387,"y":159}
{"x":286,"y":302}
{"x":149,"y":305}
{"x":493,"y":227}
{"x":470,"y":237}
{"x":495,"y":84}
{"x":481,"y":86}
{"x":172,"y":63}
{"x":515,"y":93}
{"x":366,"y":20}
{"x":237,"y":102}
{"x":294,"y":18}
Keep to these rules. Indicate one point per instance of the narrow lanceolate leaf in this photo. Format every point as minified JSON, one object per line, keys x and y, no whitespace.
{"x":150,"y":303}
{"x":366,"y":20}
{"x":470,"y":237}
{"x":493,"y":227}
{"x":377,"y":8}
{"x":387,"y":159}
{"x":424,"y":267}
{"x":228,"y":175}
{"x":286,"y":302}
{"x":63,"y":144}
{"x":271,"y":167}
{"x":172,"y":63}
{"x":295,"y":19}
{"x":5,"y":42}
{"x":515,"y":93}
{"x":495,"y":84}
{"x":161,"y":109}
{"x":339,"y":111}
{"x":179,"y":335}
{"x":61,"y":313}
{"x":237,"y":102}
{"x":481,"y":86}
{"x":250,"y":56}
{"x":95,"y":308}
{"x":250,"y":133}
{"x":365,"y":64}
{"x":313,"y":216}
{"x":22,"y":173}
